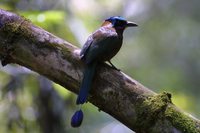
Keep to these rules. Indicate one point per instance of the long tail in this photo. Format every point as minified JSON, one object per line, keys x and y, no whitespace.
{"x":86,"y":83}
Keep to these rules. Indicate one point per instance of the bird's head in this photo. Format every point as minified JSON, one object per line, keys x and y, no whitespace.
{"x":119,"y":23}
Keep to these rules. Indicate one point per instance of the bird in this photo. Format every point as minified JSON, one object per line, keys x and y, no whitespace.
{"x":101,"y":46}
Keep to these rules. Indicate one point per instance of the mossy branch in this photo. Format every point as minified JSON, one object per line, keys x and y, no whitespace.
{"x":113,"y":92}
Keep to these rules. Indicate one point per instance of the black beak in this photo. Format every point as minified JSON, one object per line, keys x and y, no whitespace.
{"x":131,"y":24}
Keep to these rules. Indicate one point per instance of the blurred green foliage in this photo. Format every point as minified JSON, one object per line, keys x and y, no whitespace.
{"x":162,"y":53}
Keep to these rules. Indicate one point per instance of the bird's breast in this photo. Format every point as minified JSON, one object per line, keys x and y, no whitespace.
{"x":112,"y":49}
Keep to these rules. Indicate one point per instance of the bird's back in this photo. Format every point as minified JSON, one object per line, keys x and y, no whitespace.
{"x":102,"y":45}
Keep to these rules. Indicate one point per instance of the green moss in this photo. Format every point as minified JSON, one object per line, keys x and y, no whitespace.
{"x":182,"y":121}
{"x":20,"y":27}
{"x":152,"y":109}
{"x":158,"y":109}
{"x":16,"y":28}
{"x":10,"y":33}
{"x":157,"y":102}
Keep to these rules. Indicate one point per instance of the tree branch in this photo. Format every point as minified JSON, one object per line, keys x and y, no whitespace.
{"x":113,"y":92}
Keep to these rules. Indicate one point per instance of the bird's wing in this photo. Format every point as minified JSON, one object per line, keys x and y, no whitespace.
{"x":86,"y":46}
{"x":98,"y":43}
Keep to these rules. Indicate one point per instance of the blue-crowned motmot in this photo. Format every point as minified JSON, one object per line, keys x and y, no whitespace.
{"x":100,"y":46}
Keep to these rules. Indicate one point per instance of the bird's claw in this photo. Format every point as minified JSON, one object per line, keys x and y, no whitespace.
{"x":112,"y":66}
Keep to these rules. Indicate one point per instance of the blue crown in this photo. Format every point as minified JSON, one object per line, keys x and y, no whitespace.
{"x":114,"y":18}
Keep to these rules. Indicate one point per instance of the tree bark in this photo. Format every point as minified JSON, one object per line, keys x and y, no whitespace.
{"x":113,"y":92}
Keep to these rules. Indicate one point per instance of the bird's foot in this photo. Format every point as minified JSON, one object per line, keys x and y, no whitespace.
{"x":115,"y":68}
{"x":112,"y":66}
